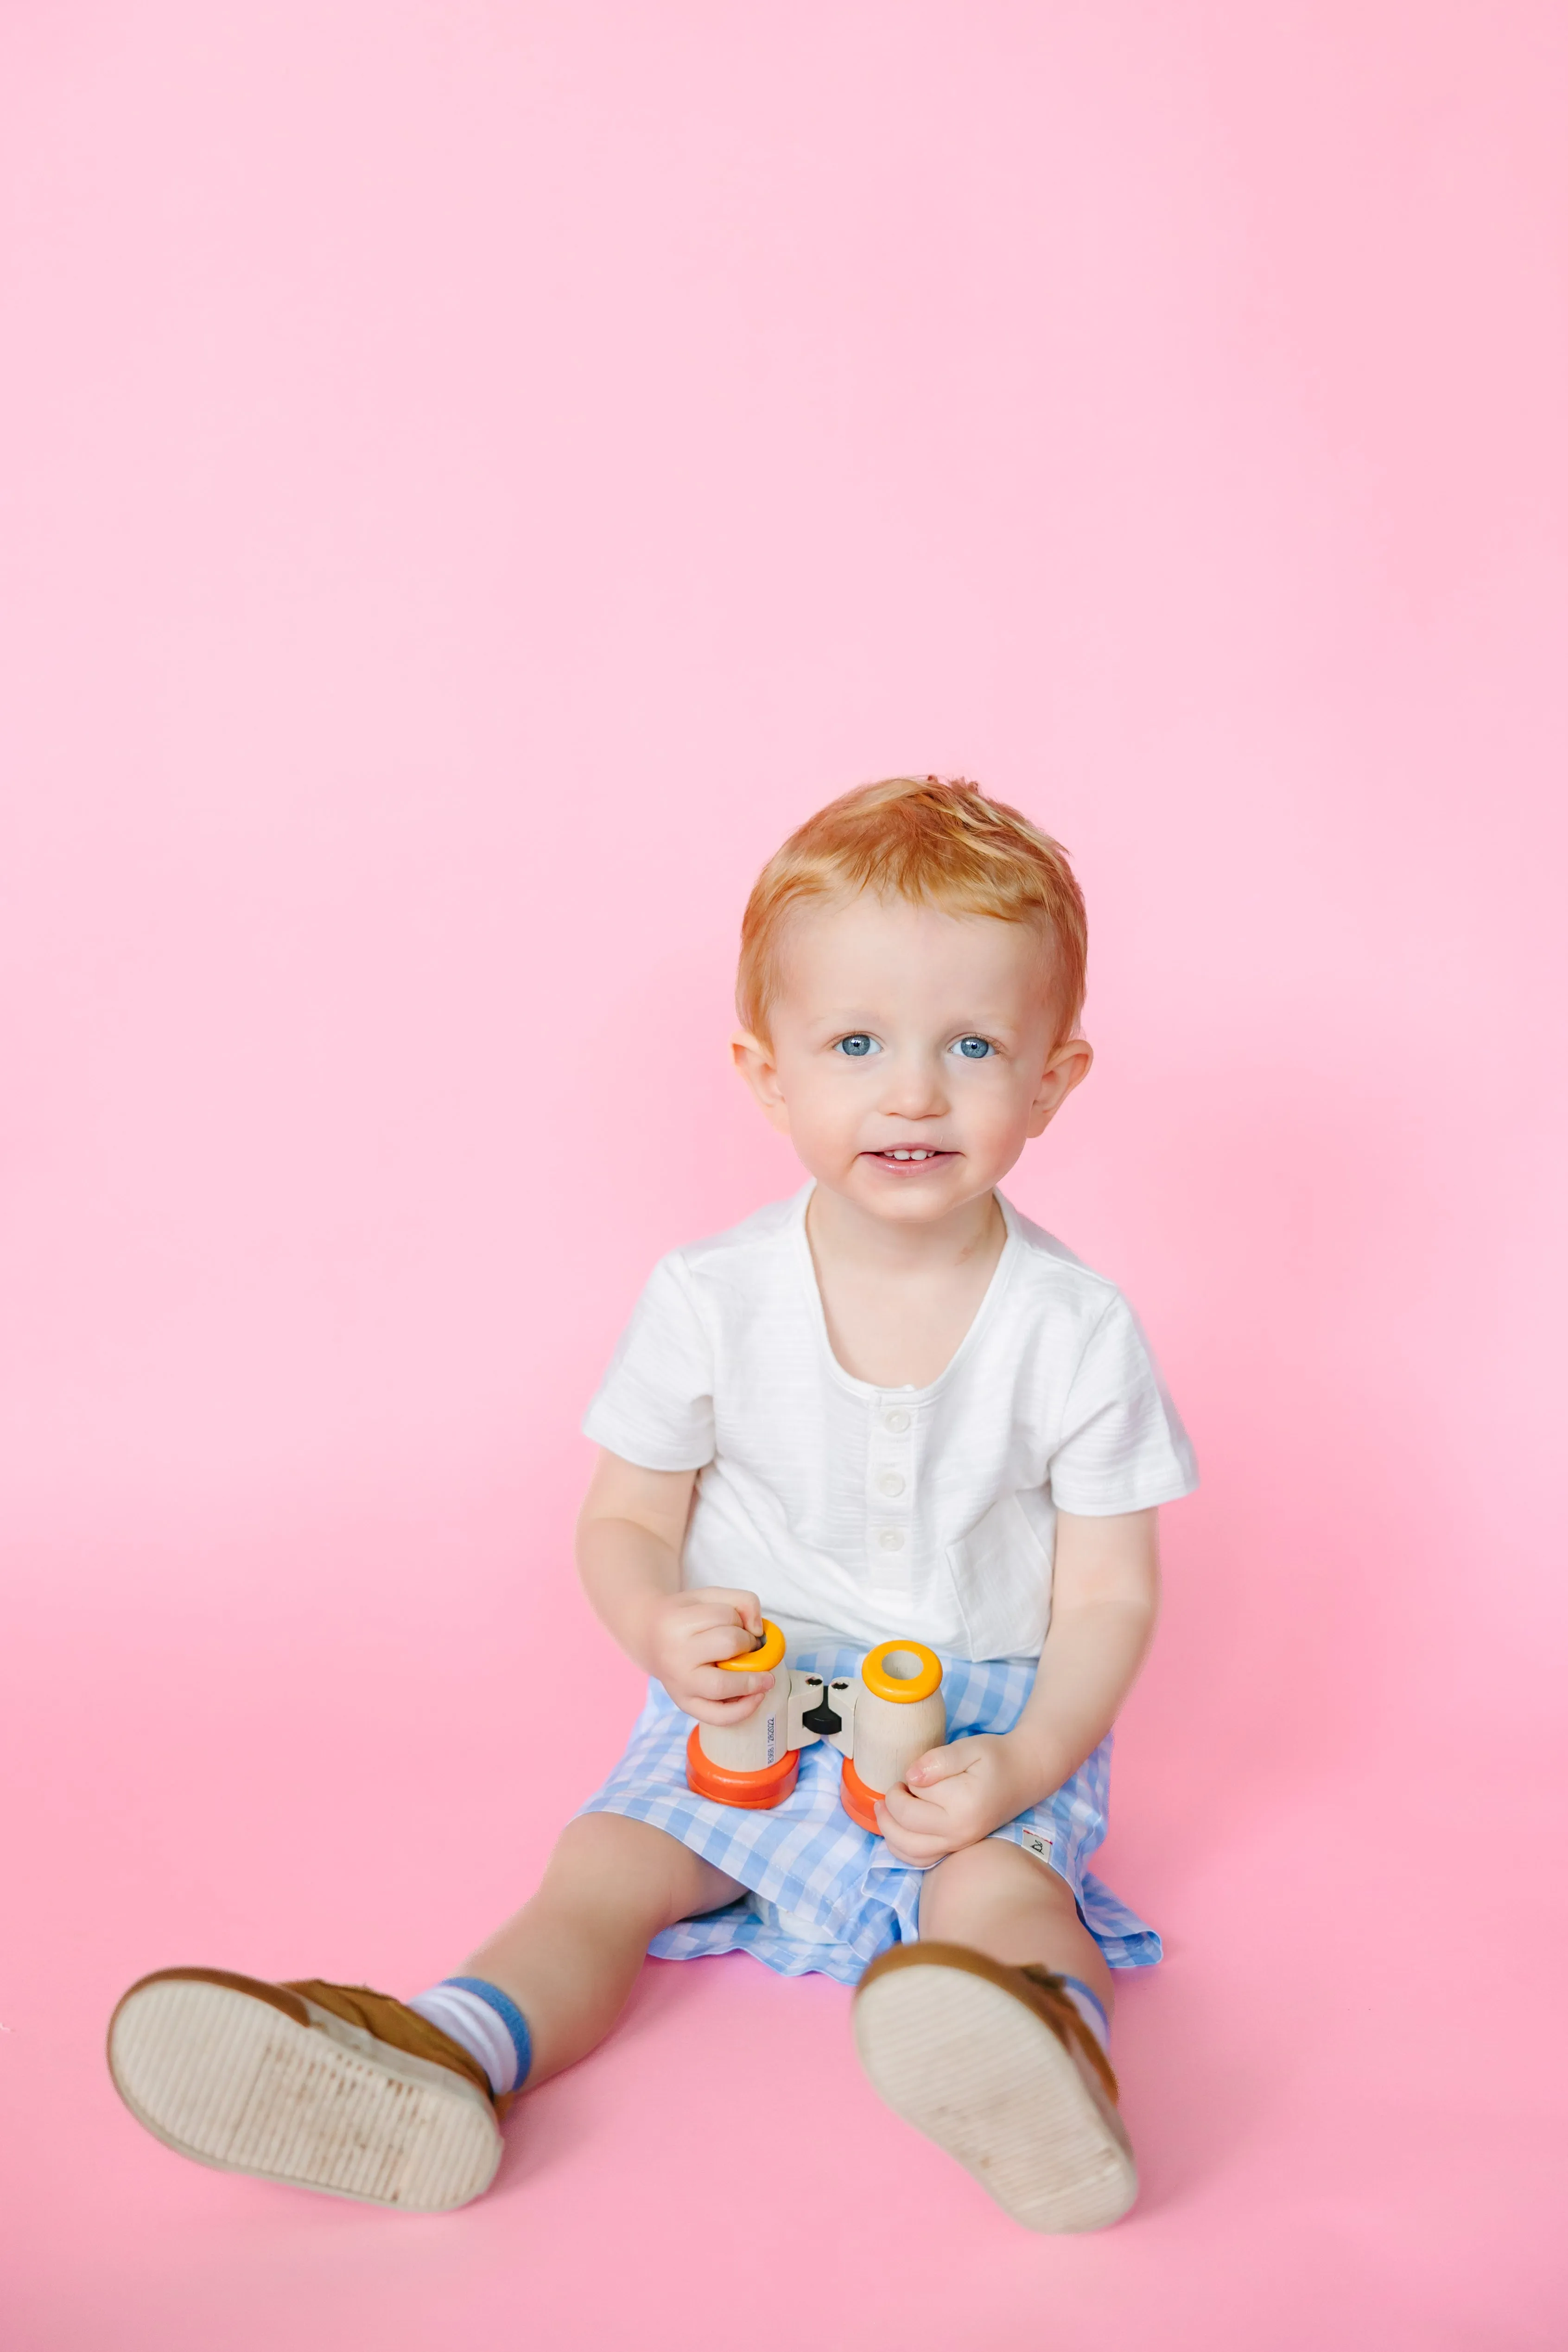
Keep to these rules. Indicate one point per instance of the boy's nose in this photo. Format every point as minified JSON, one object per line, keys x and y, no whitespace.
{"x":913,"y":1088}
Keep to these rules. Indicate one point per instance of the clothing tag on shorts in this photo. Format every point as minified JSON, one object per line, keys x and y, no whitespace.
{"x":1033,"y":1843}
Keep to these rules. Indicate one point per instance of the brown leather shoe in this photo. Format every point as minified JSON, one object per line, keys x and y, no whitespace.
{"x":996,"y":2067}
{"x":325,"y":2086}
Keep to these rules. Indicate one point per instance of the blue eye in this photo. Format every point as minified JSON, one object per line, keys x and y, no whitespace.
{"x":857,"y":1046}
{"x":973,"y":1049}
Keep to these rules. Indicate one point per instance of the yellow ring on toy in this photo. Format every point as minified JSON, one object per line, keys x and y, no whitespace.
{"x":760,"y":1661}
{"x":902,"y":1684}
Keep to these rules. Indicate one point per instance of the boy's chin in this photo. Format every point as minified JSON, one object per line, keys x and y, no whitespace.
{"x":914,"y":1198}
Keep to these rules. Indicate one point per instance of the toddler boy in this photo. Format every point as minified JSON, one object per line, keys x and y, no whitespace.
{"x":890,"y":1406}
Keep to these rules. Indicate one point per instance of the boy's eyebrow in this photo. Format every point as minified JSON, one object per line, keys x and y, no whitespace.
{"x":839,"y":1019}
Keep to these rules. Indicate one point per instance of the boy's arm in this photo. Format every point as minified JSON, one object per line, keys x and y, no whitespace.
{"x":630,"y":1536}
{"x":1105,"y":1601}
{"x":1106,"y":1598}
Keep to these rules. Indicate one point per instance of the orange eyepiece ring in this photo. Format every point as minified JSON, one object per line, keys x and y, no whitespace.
{"x":754,"y":1792}
{"x":769,"y":1653}
{"x":859,"y":1802}
{"x":902,"y":1671}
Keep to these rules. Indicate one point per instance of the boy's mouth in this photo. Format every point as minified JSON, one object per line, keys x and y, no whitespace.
{"x":909,"y":1159}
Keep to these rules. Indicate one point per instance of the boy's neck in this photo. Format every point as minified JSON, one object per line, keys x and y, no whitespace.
{"x":842,"y":1233}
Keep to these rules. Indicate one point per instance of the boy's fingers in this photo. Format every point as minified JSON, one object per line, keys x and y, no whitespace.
{"x":938,"y":1764}
{"x":711,"y":1646}
{"x":907,"y":1847}
{"x":707,"y":1710}
{"x":716,"y":1644}
{"x":712,"y":1682}
{"x":911,"y":1811}
{"x":715,"y":1600}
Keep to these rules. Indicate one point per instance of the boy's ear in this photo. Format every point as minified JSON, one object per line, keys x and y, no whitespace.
{"x":753,"y":1058}
{"x":1068,"y":1067}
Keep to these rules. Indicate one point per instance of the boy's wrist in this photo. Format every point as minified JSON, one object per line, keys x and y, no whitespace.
{"x":1037,"y":1764}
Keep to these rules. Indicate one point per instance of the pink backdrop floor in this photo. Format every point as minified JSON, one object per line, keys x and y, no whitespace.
{"x":473,"y":476}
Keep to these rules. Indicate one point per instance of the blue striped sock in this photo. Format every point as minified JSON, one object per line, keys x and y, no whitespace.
{"x":1090,"y":2007}
{"x":486,"y":2022}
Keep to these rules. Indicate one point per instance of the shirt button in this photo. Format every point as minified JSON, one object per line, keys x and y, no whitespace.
{"x":890,"y":1483}
{"x":892,"y":1539}
{"x":897,"y":1420}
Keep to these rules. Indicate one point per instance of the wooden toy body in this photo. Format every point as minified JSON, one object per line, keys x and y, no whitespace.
{"x":778,"y":1726}
{"x":880,"y":1718}
{"x":888,"y":1736}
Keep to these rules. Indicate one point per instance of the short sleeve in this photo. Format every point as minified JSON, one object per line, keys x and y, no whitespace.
{"x":1122,"y":1447}
{"x":655,"y":1405}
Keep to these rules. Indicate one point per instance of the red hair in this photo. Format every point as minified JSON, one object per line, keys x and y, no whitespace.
{"x":940,"y":845}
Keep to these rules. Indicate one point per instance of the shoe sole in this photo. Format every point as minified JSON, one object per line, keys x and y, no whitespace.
{"x":223,"y":2071}
{"x":981,"y":2073}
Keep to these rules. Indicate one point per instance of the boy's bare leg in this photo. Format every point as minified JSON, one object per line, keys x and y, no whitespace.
{"x":1000,"y":1900}
{"x":571,"y":1955}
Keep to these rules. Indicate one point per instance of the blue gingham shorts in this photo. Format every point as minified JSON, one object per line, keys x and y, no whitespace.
{"x":824,"y":1896}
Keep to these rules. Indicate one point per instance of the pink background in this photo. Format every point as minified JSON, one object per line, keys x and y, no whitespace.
{"x":475,"y":472}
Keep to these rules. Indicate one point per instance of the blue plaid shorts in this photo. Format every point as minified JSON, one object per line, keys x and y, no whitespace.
{"x":824,"y":1896}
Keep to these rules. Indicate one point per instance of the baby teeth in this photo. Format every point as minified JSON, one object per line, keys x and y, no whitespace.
{"x":913,"y":1155}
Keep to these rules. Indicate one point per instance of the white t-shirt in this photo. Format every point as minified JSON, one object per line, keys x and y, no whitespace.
{"x":857,"y":1513}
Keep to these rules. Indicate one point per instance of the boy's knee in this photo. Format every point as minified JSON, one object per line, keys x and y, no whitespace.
{"x":605,"y":1860}
{"x":605,"y":1850}
{"x":995,"y":1871}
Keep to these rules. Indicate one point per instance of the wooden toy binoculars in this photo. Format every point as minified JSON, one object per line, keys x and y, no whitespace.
{"x":880,"y":1718}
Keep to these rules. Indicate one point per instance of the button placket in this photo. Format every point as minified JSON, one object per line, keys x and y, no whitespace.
{"x":889,"y":1501}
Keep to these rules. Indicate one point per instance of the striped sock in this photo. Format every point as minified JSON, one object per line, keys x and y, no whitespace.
{"x":487,"y":2023}
{"x":1090,"y":2009}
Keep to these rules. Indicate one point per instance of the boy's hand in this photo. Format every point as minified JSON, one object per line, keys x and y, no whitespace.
{"x":686,"y":1632}
{"x":955,"y":1797}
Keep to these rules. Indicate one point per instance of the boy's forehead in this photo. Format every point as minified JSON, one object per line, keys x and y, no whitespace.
{"x":896,"y":945}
